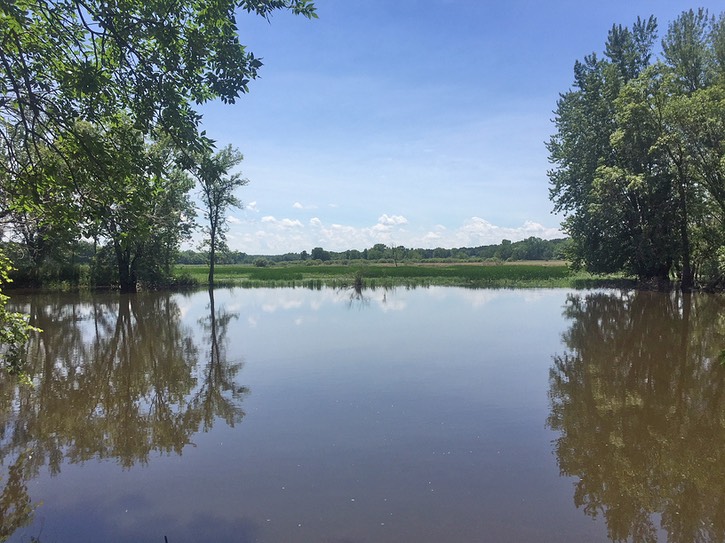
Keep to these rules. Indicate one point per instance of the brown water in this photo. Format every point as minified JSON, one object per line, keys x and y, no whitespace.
{"x":423,"y":415}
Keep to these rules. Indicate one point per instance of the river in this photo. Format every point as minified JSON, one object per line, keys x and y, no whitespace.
{"x":386,"y":415}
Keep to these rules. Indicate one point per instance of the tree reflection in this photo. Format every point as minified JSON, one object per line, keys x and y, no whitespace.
{"x":639,"y":399}
{"x":115,"y":378}
{"x":218,"y":395}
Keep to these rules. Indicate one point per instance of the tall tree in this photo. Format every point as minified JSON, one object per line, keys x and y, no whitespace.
{"x":217,"y":185}
{"x":686,"y":49}
{"x":642,"y":196}
{"x":132,"y":196}
{"x":582,"y":145}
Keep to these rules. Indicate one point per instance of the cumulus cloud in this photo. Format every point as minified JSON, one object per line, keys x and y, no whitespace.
{"x":252,"y":206}
{"x":233,"y":220}
{"x":392,"y":220}
{"x":282,"y":223}
{"x":272,"y":235}
{"x":297,"y":205}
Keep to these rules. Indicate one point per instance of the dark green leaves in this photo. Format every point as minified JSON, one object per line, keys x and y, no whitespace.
{"x":638,"y":155}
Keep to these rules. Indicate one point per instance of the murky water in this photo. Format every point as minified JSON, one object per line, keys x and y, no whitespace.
{"x":424,"y":415}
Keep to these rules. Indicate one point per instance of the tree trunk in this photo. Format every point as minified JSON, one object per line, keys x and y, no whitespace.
{"x":212,"y":255}
{"x":126,"y":276}
{"x":688,"y":275}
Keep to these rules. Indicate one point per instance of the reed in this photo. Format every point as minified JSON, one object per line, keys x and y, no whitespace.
{"x":471,"y":275}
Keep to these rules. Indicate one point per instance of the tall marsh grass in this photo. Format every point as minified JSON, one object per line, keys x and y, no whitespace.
{"x":503,"y":275}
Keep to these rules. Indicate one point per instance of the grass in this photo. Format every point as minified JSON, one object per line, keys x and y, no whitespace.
{"x":524,"y":275}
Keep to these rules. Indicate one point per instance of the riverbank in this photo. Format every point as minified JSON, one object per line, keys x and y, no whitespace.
{"x":509,"y":275}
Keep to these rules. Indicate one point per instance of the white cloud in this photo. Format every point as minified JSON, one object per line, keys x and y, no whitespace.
{"x":233,"y":220}
{"x":478,"y":231}
{"x":298,"y":205}
{"x":271,"y":235}
{"x":392,"y":220}
{"x":252,"y":206}
{"x":281,"y":223}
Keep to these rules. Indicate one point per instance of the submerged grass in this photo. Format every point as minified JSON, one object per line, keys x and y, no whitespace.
{"x":470,"y":275}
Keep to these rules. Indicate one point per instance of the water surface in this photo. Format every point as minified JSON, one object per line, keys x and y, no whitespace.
{"x":437,"y":414}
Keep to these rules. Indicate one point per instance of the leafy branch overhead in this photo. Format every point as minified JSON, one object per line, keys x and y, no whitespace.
{"x":155,"y":60}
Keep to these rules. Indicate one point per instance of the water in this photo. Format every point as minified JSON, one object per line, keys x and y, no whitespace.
{"x":426,"y":415}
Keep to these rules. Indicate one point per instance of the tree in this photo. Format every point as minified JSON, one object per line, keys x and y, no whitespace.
{"x":130,"y":194}
{"x":63,"y":64}
{"x":585,"y":121}
{"x":217,"y":187}
{"x":318,"y":253}
{"x":632,"y":173}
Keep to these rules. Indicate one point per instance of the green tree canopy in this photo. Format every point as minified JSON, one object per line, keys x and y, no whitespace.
{"x":637,"y":153}
{"x":154,"y":60}
{"x":217,"y":184}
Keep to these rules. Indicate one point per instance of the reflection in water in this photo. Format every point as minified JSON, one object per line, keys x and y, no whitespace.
{"x":218,"y":395}
{"x":114,"y":377}
{"x":639,"y":399}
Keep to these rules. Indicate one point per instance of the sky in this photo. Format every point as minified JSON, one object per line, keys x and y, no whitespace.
{"x":408,"y":122}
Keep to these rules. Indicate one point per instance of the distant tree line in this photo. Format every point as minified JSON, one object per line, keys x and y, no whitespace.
{"x":532,"y":248}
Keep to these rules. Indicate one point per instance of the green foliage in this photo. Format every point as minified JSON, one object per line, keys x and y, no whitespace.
{"x":501,"y":275}
{"x":98,"y":121}
{"x":14,"y":328}
{"x":532,"y":248}
{"x":318,"y":253}
{"x":151,"y":59}
{"x":217,"y":185}
{"x":638,"y":159}
{"x":131,"y":196}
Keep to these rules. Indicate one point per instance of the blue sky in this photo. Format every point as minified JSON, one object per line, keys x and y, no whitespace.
{"x":409,"y":122}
